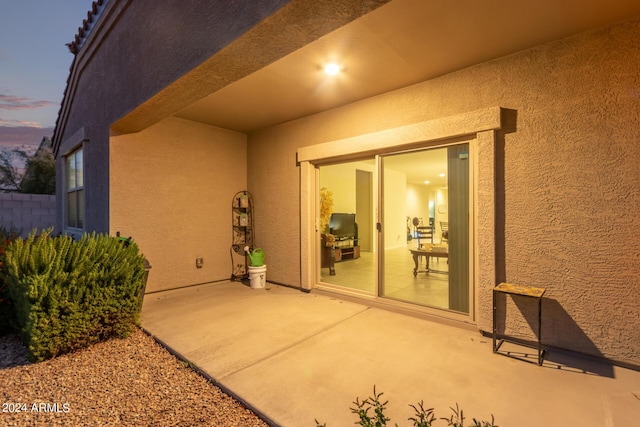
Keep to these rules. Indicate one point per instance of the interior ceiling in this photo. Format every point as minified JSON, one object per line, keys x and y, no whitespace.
{"x":399,"y":44}
{"x":421,"y":166}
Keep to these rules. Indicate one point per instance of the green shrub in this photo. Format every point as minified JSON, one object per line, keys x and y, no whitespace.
{"x":422,"y":417}
{"x":70,"y":294}
{"x":7,"y":312}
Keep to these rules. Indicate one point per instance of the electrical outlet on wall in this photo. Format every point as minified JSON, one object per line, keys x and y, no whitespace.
{"x":199,"y":262}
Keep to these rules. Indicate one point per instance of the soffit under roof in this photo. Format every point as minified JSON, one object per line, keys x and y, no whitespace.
{"x":401,"y":43}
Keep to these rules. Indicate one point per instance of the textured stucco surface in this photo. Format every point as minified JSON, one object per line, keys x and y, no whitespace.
{"x":140,"y":49}
{"x":569,"y":186}
{"x":566,"y":176}
{"x":275,"y":187}
{"x":145,"y":62}
{"x":224,"y":27}
{"x":172,"y":186}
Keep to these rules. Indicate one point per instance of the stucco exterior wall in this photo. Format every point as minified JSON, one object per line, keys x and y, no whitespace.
{"x":172,"y":186}
{"x":137,"y":50}
{"x":272,"y":170}
{"x":568,"y":185}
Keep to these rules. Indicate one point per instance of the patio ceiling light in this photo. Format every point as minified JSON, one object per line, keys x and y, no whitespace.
{"x":332,"y":69}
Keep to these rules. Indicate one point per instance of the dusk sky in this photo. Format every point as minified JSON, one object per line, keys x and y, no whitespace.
{"x":34,"y":65}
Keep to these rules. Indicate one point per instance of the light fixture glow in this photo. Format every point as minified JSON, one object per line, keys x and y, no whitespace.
{"x":332,"y":69}
{"x":427,"y":182}
{"x":441,"y":175}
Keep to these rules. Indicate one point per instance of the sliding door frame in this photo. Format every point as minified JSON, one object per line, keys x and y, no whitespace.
{"x":481,"y":126}
{"x":471,"y":266}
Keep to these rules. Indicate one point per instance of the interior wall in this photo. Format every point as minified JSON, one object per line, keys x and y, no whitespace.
{"x":442,"y":210}
{"x":568,"y":182}
{"x":418,"y":197}
{"x":340,"y":179}
{"x":395,"y":208}
{"x":172,"y":187}
{"x":364,"y":210}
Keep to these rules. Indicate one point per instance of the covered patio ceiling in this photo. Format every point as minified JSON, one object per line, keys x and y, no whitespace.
{"x":401,"y":43}
{"x":398,"y":44}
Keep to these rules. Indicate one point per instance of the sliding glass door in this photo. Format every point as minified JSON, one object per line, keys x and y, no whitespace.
{"x":397,"y":227}
{"x":347,"y":227}
{"x":425,"y":199}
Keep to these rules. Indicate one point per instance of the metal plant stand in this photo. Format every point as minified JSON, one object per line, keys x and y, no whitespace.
{"x":243,"y":233}
{"x":525,"y":291}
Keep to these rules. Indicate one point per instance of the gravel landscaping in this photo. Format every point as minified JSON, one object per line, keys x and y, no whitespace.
{"x":124,"y":382}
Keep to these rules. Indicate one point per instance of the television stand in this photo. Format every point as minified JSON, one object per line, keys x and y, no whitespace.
{"x":346,"y":249}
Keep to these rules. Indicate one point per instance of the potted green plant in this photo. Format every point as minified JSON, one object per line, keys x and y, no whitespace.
{"x":328,"y":240}
{"x":326,"y":208}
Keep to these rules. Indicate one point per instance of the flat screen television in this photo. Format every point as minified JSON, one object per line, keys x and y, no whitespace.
{"x":343,"y":225}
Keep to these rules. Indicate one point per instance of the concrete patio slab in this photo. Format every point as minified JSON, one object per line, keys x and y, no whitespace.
{"x":228,"y":326}
{"x":295,"y":357}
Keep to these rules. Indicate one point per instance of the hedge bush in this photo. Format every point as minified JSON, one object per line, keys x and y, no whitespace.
{"x":7,"y":313}
{"x":70,"y":294}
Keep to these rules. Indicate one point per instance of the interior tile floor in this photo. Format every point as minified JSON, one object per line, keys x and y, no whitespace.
{"x":428,"y":289}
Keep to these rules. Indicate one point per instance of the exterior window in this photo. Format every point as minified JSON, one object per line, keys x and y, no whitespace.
{"x":75,"y":190}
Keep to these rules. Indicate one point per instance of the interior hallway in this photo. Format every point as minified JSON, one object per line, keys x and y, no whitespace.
{"x":295,"y":356}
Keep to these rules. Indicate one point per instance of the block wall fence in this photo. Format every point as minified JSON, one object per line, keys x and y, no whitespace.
{"x":27,"y":211}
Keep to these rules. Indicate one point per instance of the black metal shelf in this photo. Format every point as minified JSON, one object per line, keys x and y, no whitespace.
{"x":243,"y":234}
